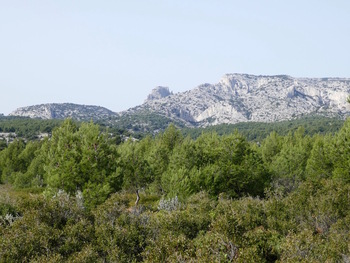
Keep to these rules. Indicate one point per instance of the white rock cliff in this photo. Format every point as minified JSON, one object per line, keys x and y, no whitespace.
{"x":243,"y":98}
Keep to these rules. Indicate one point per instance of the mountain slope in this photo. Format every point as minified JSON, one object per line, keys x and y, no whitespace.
{"x":63,"y":111}
{"x":242,"y":98}
{"x":235,"y":98}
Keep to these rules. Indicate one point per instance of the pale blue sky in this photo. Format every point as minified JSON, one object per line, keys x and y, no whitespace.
{"x":113,"y":53}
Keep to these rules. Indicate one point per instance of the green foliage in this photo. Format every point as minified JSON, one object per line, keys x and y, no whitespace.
{"x":26,"y":127}
{"x":289,"y":164}
{"x":150,"y":123}
{"x":3,"y":144}
{"x":120,"y":232}
{"x":315,"y":210}
{"x":320,"y":164}
{"x":80,"y":159}
{"x":173,"y":232}
{"x":48,"y":229}
{"x":144,"y":123}
{"x":219,"y":198}
{"x":341,"y":153}
{"x":11,"y":160}
{"x":35,"y":174}
{"x":271,"y":147}
{"x":258,"y":131}
{"x":134,"y":169}
{"x":217,"y":164}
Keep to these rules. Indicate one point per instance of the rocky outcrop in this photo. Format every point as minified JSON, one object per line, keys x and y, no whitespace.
{"x":159,"y":93}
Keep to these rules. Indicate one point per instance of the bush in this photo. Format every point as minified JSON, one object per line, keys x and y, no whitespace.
{"x":49,"y":229}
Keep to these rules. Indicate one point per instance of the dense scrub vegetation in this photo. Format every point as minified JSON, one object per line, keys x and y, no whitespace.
{"x":145,"y":122}
{"x":140,"y":125}
{"x":258,"y":131}
{"x":27,"y":127}
{"x":216,"y":198}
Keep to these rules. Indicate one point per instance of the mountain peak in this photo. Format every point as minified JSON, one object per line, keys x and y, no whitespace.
{"x":159,"y":92}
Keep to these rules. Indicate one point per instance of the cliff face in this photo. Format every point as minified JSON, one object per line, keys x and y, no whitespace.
{"x":242,"y":98}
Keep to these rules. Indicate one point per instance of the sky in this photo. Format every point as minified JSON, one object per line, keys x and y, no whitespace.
{"x":113,"y":53}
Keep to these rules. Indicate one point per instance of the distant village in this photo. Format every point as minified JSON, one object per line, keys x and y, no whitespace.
{"x":9,"y":137}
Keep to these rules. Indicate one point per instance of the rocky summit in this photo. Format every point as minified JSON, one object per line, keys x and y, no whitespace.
{"x":159,"y":93}
{"x":250,"y":98}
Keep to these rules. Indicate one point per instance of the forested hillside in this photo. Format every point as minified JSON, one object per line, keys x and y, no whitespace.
{"x":257,"y":131}
{"x":26,"y":127}
{"x":149,"y":124}
{"x":79,"y":196}
{"x":33,"y":129}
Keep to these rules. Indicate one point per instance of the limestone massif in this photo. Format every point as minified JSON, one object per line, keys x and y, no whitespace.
{"x":63,"y":111}
{"x":243,"y":98}
{"x":235,"y":98}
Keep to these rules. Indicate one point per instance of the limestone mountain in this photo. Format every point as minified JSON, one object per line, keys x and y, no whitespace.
{"x":63,"y":111}
{"x":250,"y":98}
{"x":235,"y":98}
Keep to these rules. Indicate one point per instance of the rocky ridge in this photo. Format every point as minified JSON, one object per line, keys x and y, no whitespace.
{"x":250,"y":98}
{"x":63,"y":111}
{"x":235,"y":98}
